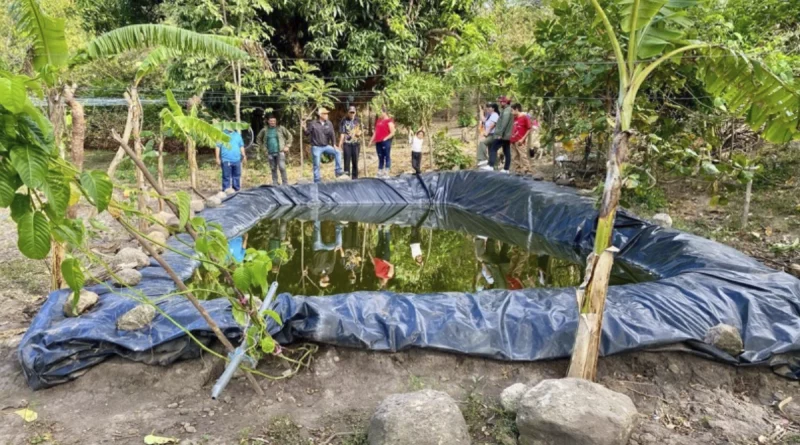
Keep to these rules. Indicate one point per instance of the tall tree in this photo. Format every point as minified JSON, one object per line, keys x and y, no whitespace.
{"x":655,"y":31}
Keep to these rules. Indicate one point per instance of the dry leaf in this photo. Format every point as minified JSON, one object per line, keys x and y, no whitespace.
{"x":768,"y":231}
{"x":157,"y":440}
{"x":27,"y":414}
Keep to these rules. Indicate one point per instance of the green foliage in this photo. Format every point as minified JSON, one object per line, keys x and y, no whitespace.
{"x":98,"y":187}
{"x":33,"y":235}
{"x":751,"y":90}
{"x":412,"y":99}
{"x":189,"y":127}
{"x":448,"y":153}
{"x":73,"y":275}
{"x":304,"y":91}
{"x":150,"y":36}
{"x":49,"y":41}
{"x":184,"y":202}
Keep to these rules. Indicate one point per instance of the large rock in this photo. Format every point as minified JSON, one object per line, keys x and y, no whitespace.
{"x":213,"y":202}
{"x":136,"y":318}
{"x":230,"y":192}
{"x":574,"y":412}
{"x":662,"y":219}
{"x":726,"y":338}
{"x":158,"y":240}
{"x":86,"y":300}
{"x":129,"y":258}
{"x":127,"y":277}
{"x":510,"y":396}
{"x":159,"y":228}
{"x":198,"y":205}
{"x":167,"y":219}
{"x":424,"y":417}
{"x":222,"y":195}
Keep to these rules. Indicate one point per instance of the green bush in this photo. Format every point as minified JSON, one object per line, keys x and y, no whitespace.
{"x":447,"y":153}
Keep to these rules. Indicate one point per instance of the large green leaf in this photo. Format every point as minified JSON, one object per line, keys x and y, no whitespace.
{"x":242,"y":279}
{"x":14,"y":93}
{"x":47,"y":33}
{"x":659,"y":23}
{"x":184,"y":203}
{"x":98,"y":187}
{"x":20,"y":205}
{"x":57,"y":191}
{"x":33,"y":235}
{"x":72,"y":273}
{"x":751,"y":90}
{"x":174,"y":107}
{"x":150,"y":36}
{"x":9,"y":183}
{"x":31,"y":164}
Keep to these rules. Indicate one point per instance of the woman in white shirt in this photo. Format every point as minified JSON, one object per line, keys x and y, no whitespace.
{"x":416,"y":150}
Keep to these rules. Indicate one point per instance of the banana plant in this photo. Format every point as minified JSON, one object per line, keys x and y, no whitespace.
{"x":654,"y":34}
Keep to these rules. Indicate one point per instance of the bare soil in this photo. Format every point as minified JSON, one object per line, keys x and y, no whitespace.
{"x":682,"y":399}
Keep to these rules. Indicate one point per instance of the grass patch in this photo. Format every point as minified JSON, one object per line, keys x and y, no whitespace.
{"x":284,"y":431}
{"x":488,"y":422}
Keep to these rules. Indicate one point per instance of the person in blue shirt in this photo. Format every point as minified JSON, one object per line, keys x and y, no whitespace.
{"x":231,"y":158}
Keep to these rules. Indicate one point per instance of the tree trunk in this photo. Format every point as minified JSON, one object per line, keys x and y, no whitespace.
{"x":55,"y":108}
{"x":126,"y":135}
{"x":480,"y":122}
{"x":78,"y":135}
{"x":747,"y":196}
{"x":139,"y":150}
{"x":430,"y":145}
{"x":191,"y":152}
{"x":161,"y":172}
{"x":592,"y":293}
{"x":302,"y":149}
{"x":237,"y":92}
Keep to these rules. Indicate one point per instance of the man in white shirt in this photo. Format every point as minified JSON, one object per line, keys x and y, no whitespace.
{"x":492,"y":116}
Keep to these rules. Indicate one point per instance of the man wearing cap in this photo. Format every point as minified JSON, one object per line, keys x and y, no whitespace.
{"x":350,"y":141}
{"x":275,"y":140}
{"x":323,"y":140}
{"x":503,"y":135}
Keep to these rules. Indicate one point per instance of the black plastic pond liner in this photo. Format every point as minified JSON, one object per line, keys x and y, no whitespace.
{"x":697,"y":284}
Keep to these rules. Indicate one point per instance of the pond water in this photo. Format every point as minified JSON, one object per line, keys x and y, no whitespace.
{"x":414,"y":250}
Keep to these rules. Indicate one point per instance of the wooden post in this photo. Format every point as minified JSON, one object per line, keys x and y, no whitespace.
{"x":747,"y":196}
{"x":161,"y":172}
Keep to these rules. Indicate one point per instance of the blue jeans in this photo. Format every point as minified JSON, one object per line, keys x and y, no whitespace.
{"x":384,"y":149}
{"x":317,"y":152}
{"x":319,"y":245}
{"x":231,"y":173}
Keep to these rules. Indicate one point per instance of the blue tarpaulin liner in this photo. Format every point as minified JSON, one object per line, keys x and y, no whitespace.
{"x":695,"y":284}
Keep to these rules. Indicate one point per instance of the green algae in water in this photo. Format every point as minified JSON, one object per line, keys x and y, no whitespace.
{"x":325,"y":257}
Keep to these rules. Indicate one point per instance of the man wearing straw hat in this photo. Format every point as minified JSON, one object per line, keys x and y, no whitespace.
{"x":323,"y":140}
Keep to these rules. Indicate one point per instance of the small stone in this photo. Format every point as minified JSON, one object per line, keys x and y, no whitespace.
{"x":674,"y":368}
{"x":662,"y":219}
{"x":794,"y":269}
{"x":159,"y":228}
{"x":198,"y":205}
{"x":726,"y":338}
{"x":172,"y":405}
{"x":158,"y":240}
{"x":213,"y":202}
{"x":565,"y":181}
{"x":537,"y":177}
{"x":86,"y":300}
{"x":130,"y":258}
{"x":424,"y":417}
{"x":336,"y":359}
{"x":138,"y":318}
{"x":127,"y":277}
{"x":510,"y":396}
{"x":575,"y":412}
{"x":189,"y":428}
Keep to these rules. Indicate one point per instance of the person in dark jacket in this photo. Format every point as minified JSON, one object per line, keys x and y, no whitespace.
{"x":275,"y":140}
{"x":350,"y":141}
{"x":502,"y":133}
{"x":323,"y":140}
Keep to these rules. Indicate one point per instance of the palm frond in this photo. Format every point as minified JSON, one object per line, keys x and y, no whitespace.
{"x":751,"y":90}
{"x":155,"y":58}
{"x":201,"y":131}
{"x":47,"y":33}
{"x":174,"y":107}
{"x":150,"y":35}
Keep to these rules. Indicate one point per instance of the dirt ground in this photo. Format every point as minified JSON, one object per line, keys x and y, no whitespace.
{"x":682,"y":399}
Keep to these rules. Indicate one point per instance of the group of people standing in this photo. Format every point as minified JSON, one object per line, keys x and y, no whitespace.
{"x":504,"y":126}
{"x":507,"y":127}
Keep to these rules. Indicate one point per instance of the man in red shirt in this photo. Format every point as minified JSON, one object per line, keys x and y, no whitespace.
{"x":520,"y":159}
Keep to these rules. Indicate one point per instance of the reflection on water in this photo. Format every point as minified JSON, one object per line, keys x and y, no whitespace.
{"x":331,"y":257}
